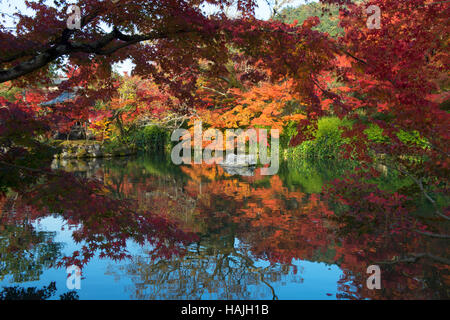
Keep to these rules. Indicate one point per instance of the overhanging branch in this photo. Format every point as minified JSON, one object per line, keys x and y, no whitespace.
{"x":64,"y":47}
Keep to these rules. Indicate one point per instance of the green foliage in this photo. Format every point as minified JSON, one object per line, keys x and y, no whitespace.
{"x":9,"y":92}
{"x":329,"y":126}
{"x":412,"y":137}
{"x":289,"y":131}
{"x":151,"y":138}
{"x":71,"y":143}
{"x":311,"y":174}
{"x":375,"y":134}
{"x":113,"y":144}
{"x":119,"y":146}
{"x":327,"y":141}
{"x":329,"y":21}
{"x":154,"y":165}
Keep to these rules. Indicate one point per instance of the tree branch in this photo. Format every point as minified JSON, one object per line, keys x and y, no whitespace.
{"x":64,"y":47}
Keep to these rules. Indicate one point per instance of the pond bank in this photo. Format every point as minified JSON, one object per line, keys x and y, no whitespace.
{"x":79,"y":149}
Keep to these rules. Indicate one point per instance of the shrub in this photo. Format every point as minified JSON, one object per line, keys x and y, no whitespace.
{"x":327,"y":140}
{"x":375,"y":134}
{"x":151,"y":138}
{"x":118,"y":146}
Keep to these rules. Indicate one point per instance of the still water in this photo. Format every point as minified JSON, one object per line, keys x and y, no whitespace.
{"x":234,"y":235}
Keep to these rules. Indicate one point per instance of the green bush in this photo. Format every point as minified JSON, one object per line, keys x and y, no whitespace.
{"x":375,"y":134}
{"x":118,"y":146}
{"x":151,"y":138}
{"x":327,"y":140}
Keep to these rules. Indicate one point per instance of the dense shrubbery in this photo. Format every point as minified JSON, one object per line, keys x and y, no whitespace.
{"x":150,"y":138}
{"x":327,"y":141}
{"x":118,"y":145}
{"x":143,"y":139}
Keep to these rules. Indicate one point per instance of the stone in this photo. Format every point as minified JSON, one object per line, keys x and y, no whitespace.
{"x":243,"y":160}
{"x":241,"y":171}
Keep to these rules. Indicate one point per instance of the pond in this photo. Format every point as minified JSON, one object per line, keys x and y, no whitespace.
{"x":232,"y":236}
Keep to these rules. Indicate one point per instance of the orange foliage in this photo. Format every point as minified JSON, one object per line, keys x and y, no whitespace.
{"x":266,"y":105}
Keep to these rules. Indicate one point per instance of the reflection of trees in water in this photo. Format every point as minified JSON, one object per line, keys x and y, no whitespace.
{"x":404,"y":281}
{"x":108,"y":217}
{"x":402,"y":276}
{"x":208,"y":270}
{"x":34,"y":293}
{"x":215,"y":267}
{"x":24,"y":251}
{"x":273,"y":225}
{"x":274,"y":220}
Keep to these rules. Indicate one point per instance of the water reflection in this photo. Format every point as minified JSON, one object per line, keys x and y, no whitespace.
{"x":212,"y":235}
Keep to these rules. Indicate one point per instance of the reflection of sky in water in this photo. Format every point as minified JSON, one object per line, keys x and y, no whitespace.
{"x":312,"y":281}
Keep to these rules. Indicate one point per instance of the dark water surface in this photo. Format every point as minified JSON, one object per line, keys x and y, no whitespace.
{"x":256,"y":237}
